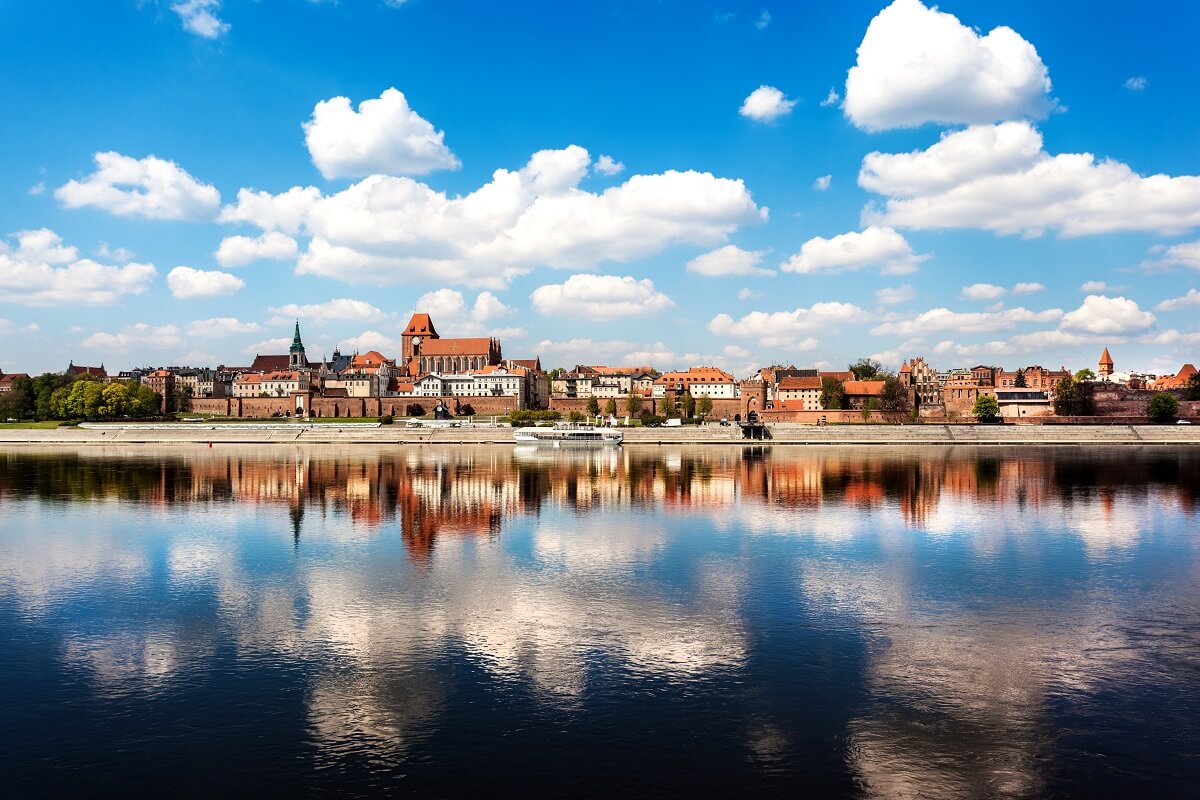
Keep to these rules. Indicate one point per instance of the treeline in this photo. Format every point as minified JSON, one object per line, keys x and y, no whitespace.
{"x":55,"y":396}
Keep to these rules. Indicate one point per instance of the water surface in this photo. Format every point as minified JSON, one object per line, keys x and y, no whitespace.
{"x":867,"y":622}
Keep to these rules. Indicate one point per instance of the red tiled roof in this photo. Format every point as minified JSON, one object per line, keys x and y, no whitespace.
{"x":94,"y":372}
{"x":456,"y":347}
{"x":800,"y":383}
{"x":269,"y":363}
{"x":863,"y":387}
{"x":841,"y":376}
{"x":1106,"y":359}
{"x":421,"y":325}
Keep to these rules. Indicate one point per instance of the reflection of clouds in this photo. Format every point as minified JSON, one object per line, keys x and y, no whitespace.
{"x":593,"y":543}
{"x":1106,"y":523}
{"x":125,"y":660}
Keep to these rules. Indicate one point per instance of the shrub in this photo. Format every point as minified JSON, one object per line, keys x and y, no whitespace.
{"x":653,"y":420}
{"x":528,"y":416}
{"x":466,"y":410}
{"x":386,"y":419}
{"x":415,"y":410}
{"x":1163,"y":407}
{"x":576,"y":416}
{"x":986,"y":408}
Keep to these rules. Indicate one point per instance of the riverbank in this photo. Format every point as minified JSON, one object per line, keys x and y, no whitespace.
{"x":782,"y":434}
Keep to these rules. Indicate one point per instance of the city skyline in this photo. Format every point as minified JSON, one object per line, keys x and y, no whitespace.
{"x":689,"y":185}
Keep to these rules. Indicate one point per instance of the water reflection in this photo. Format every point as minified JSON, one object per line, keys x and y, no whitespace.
{"x":890,"y":623}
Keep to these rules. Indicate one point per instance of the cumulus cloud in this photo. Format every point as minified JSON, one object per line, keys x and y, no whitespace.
{"x":918,"y":64}
{"x":278,"y":345}
{"x":1027,"y":287}
{"x":384,"y":136}
{"x":763,"y":20}
{"x":488,"y":307}
{"x":605,"y":165}
{"x":148,"y":187}
{"x":582,"y":350}
{"x":200,"y":17}
{"x":831,"y":99}
{"x":822,"y":183}
{"x":1097,"y":287}
{"x":895,"y":295}
{"x":221,"y":326}
{"x":728,"y":260}
{"x":449,"y":309}
{"x":875,"y":246}
{"x":371,"y":340}
{"x":766,"y":104}
{"x":600,"y":297}
{"x":285,"y":211}
{"x":983,"y":291}
{"x":388,"y":229}
{"x":1136,"y":84}
{"x":342,"y":308}
{"x":746,"y":293}
{"x":40,"y":270}
{"x":187,"y":283}
{"x":943,"y":319}
{"x":1192,"y":298}
{"x":1184,"y":255}
{"x":137,"y":335}
{"x":442,"y":303}
{"x":788,"y":329}
{"x":999,"y":178}
{"x":238,"y":251}
{"x":1107,"y":315}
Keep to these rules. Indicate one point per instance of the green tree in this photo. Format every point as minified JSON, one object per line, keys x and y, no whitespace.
{"x":555,"y":373}
{"x":1085,"y":374}
{"x":610,"y":407}
{"x":704,"y":405}
{"x":868,"y":407}
{"x":1163,"y":407}
{"x":865,"y":369}
{"x":689,"y":405}
{"x":633,"y":404}
{"x":575,"y":416}
{"x":895,"y":395}
{"x":666,"y":406}
{"x":1064,"y":397}
{"x":1019,"y":383}
{"x":593,"y":406}
{"x":832,"y":395}
{"x":986,"y":408}
{"x":1193,"y":390}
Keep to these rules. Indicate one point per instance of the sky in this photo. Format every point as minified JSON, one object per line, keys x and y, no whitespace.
{"x":671,"y":183}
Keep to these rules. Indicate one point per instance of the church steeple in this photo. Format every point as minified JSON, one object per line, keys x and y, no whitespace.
{"x":296,"y":359}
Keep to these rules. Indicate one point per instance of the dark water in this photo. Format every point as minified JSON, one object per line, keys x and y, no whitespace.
{"x":876,"y":623}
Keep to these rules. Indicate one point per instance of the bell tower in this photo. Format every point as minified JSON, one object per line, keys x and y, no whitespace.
{"x":296,"y":359}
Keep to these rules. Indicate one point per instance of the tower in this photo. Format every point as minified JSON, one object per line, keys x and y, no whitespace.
{"x":1106,"y":365}
{"x":296,"y":359}
{"x":419,"y":329}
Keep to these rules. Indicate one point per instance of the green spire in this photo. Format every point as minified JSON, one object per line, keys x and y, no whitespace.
{"x":297,"y":345}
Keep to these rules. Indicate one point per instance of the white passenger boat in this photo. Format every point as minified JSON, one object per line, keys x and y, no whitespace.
{"x":569,"y":433}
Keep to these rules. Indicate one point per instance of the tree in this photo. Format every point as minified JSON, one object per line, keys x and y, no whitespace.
{"x":895,"y":395}
{"x":593,"y":406}
{"x":689,"y":405}
{"x":704,"y":405}
{"x":633,"y":404}
{"x":1193,"y":390}
{"x":610,"y":407}
{"x":865,"y":369}
{"x":1019,"y":383}
{"x":666,"y":406}
{"x":986,"y":408}
{"x":1163,"y":407}
{"x":868,"y":407}
{"x":1073,"y":398}
{"x":575,"y":416}
{"x":555,"y":373}
{"x":1085,"y":374}
{"x":832,"y":395}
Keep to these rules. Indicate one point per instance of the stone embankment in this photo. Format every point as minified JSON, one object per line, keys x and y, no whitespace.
{"x":780,"y":434}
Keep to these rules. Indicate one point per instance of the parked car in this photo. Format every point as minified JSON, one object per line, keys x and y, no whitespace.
{"x":1182,"y":422}
{"x":724,"y":422}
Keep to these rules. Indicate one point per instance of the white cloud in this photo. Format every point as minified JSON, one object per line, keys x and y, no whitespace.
{"x":581,"y":350}
{"x":918,"y":65}
{"x":371,"y":340}
{"x":1107,"y":315}
{"x":943,"y":319}
{"x":37,"y":189}
{"x":1097,"y":287}
{"x":1185,"y":255}
{"x":983,"y":291}
{"x":875,"y":246}
{"x":600,"y":297}
{"x":764,"y":19}
{"x":728,"y":260}
{"x":822,"y":183}
{"x":449,"y":310}
{"x":488,"y":307}
{"x":895,"y":295}
{"x":442,"y":303}
{"x":605,"y":165}
{"x":656,"y":354}
{"x":394,"y":229}
{"x":999,"y":178}
{"x":1192,"y":298}
{"x":148,"y":187}
{"x":221,"y":326}
{"x":189,"y":284}
{"x":278,"y":345}
{"x":746,"y":293}
{"x":1172,"y":336}
{"x":342,"y":308}
{"x":1027,"y":287}
{"x":766,"y":104}
{"x":137,"y":335}
{"x":283,"y":212}
{"x":786,"y":329}
{"x":121,"y":254}
{"x":41,"y":271}
{"x":238,"y":251}
{"x":1136,"y":84}
{"x":384,"y":136}
{"x":200,"y":17}
{"x":831,"y":99}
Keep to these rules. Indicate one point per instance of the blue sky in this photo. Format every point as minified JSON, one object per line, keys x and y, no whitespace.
{"x":1008,"y":183}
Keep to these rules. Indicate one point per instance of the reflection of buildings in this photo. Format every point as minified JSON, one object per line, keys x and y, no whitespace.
{"x":471,"y":491}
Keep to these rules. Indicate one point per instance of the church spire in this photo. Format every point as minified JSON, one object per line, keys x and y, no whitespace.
{"x":296,"y":357}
